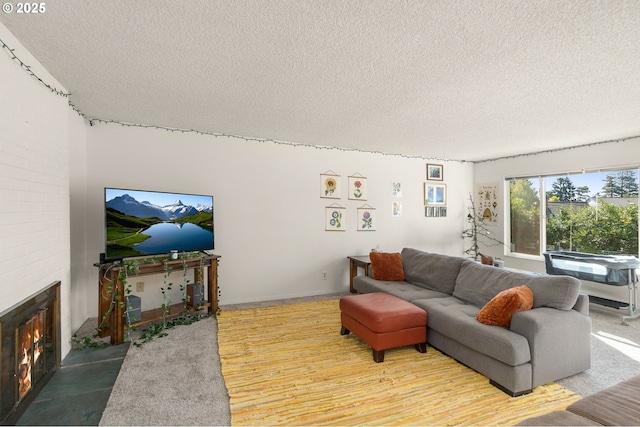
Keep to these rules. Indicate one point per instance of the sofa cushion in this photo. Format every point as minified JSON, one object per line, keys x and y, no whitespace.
{"x":614,"y":406}
{"x":558,"y":418}
{"x":432,"y":271}
{"x":404,"y":290}
{"x":477,"y":284}
{"x":456,"y":320}
{"x":386,"y":266}
{"x":559,"y":292}
{"x":500,"y":309}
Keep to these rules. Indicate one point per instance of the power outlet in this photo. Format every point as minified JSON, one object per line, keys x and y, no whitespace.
{"x":139,"y":286}
{"x":324,"y":275}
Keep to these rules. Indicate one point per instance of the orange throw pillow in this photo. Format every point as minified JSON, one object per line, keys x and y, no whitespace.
{"x":387,"y":266}
{"x":500,"y":309}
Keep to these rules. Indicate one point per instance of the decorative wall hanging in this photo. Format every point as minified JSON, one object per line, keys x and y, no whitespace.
{"x":366,"y":218}
{"x":487,"y":202}
{"x":435,"y":172}
{"x":357,"y":187}
{"x":396,"y":189}
{"x":435,"y":211}
{"x":435,"y":194}
{"x":335,"y":218}
{"x":396,"y":209}
{"x":329,"y":185}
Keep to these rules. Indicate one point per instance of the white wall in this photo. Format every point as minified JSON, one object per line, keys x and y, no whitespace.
{"x":34,"y":184}
{"x":78,"y":194}
{"x":593,"y":157}
{"x":269,"y":217}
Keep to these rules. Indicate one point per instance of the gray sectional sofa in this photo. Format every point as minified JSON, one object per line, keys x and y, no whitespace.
{"x":614,"y":406}
{"x":549,"y":342}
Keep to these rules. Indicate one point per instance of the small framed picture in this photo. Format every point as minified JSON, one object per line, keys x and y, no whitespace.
{"x":366,"y":218}
{"x":435,"y":172}
{"x":357,"y":187}
{"x":435,"y":211}
{"x":329,"y":185}
{"x":396,"y":189}
{"x":435,"y":194}
{"x":335,"y":218}
{"x":396,"y":209}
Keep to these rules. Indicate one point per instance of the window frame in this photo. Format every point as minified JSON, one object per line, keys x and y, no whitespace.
{"x":507,"y":216}
{"x":542,"y":191}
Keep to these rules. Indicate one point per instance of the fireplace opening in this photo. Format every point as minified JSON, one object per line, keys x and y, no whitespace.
{"x":29,"y":349}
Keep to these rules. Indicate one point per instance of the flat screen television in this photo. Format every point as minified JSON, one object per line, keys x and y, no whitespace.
{"x":140,"y":223}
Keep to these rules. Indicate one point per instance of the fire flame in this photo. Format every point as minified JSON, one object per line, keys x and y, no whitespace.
{"x":31,"y":349}
{"x":24,"y":374}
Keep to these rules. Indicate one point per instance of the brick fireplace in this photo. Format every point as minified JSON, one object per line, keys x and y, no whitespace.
{"x":29,"y":350}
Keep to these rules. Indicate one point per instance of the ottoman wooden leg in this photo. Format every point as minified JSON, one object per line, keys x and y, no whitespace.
{"x":421,"y":347}
{"x":378,"y":355}
{"x":344,"y":331}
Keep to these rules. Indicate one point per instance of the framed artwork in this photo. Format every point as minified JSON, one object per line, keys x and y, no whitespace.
{"x":329,"y":185}
{"x":366,"y":218}
{"x":335,"y":218}
{"x":435,"y":194}
{"x":396,"y":189}
{"x":435,"y":211}
{"x":435,"y":172}
{"x":396,"y":209}
{"x":357,"y":187}
{"x":487,"y":202}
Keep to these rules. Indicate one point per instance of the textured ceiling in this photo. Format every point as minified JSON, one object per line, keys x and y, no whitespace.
{"x":445,"y":79}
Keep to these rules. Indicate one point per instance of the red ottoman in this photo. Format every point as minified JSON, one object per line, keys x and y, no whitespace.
{"x":383,"y":322}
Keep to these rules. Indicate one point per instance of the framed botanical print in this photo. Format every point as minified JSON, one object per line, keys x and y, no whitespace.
{"x":396,"y":189}
{"x":435,"y":194}
{"x":435,"y":172}
{"x":329,"y":185}
{"x":366,"y":218}
{"x":335,"y":218}
{"x":396,"y":209}
{"x":357,"y":187}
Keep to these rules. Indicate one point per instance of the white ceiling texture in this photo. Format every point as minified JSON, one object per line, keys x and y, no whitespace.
{"x":443,"y":79}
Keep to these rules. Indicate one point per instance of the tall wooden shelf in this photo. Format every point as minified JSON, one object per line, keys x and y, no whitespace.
{"x":109,"y":281}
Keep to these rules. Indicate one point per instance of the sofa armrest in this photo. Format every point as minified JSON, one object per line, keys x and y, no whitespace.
{"x":582,"y":304}
{"x":560,"y":342}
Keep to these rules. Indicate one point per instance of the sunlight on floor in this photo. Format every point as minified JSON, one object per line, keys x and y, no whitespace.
{"x":623,"y":345}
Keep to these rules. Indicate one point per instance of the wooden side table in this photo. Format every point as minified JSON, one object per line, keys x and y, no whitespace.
{"x":356,"y":261}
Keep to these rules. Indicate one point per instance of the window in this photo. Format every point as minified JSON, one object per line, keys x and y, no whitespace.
{"x":587,"y":212}
{"x":525,"y":216}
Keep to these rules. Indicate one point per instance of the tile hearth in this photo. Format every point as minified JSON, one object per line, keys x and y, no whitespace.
{"x":79,"y":391}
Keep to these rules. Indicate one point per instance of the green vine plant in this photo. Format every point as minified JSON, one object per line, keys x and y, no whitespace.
{"x":188,"y":317}
{"x":184,"y":284}
{"x":132,"y":267}
{"x":166,"y":304}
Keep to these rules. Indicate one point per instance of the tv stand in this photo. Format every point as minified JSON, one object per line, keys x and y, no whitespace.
{"x":109,"y":281}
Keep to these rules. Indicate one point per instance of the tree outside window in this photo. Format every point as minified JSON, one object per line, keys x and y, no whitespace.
{"x":525,"y":216}
{"x":600,"y":218}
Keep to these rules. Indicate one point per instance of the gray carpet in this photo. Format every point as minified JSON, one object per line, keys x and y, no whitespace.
{"x":615,"y":352}
{"x":177,"y":380}
{"x":171,"y":381}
